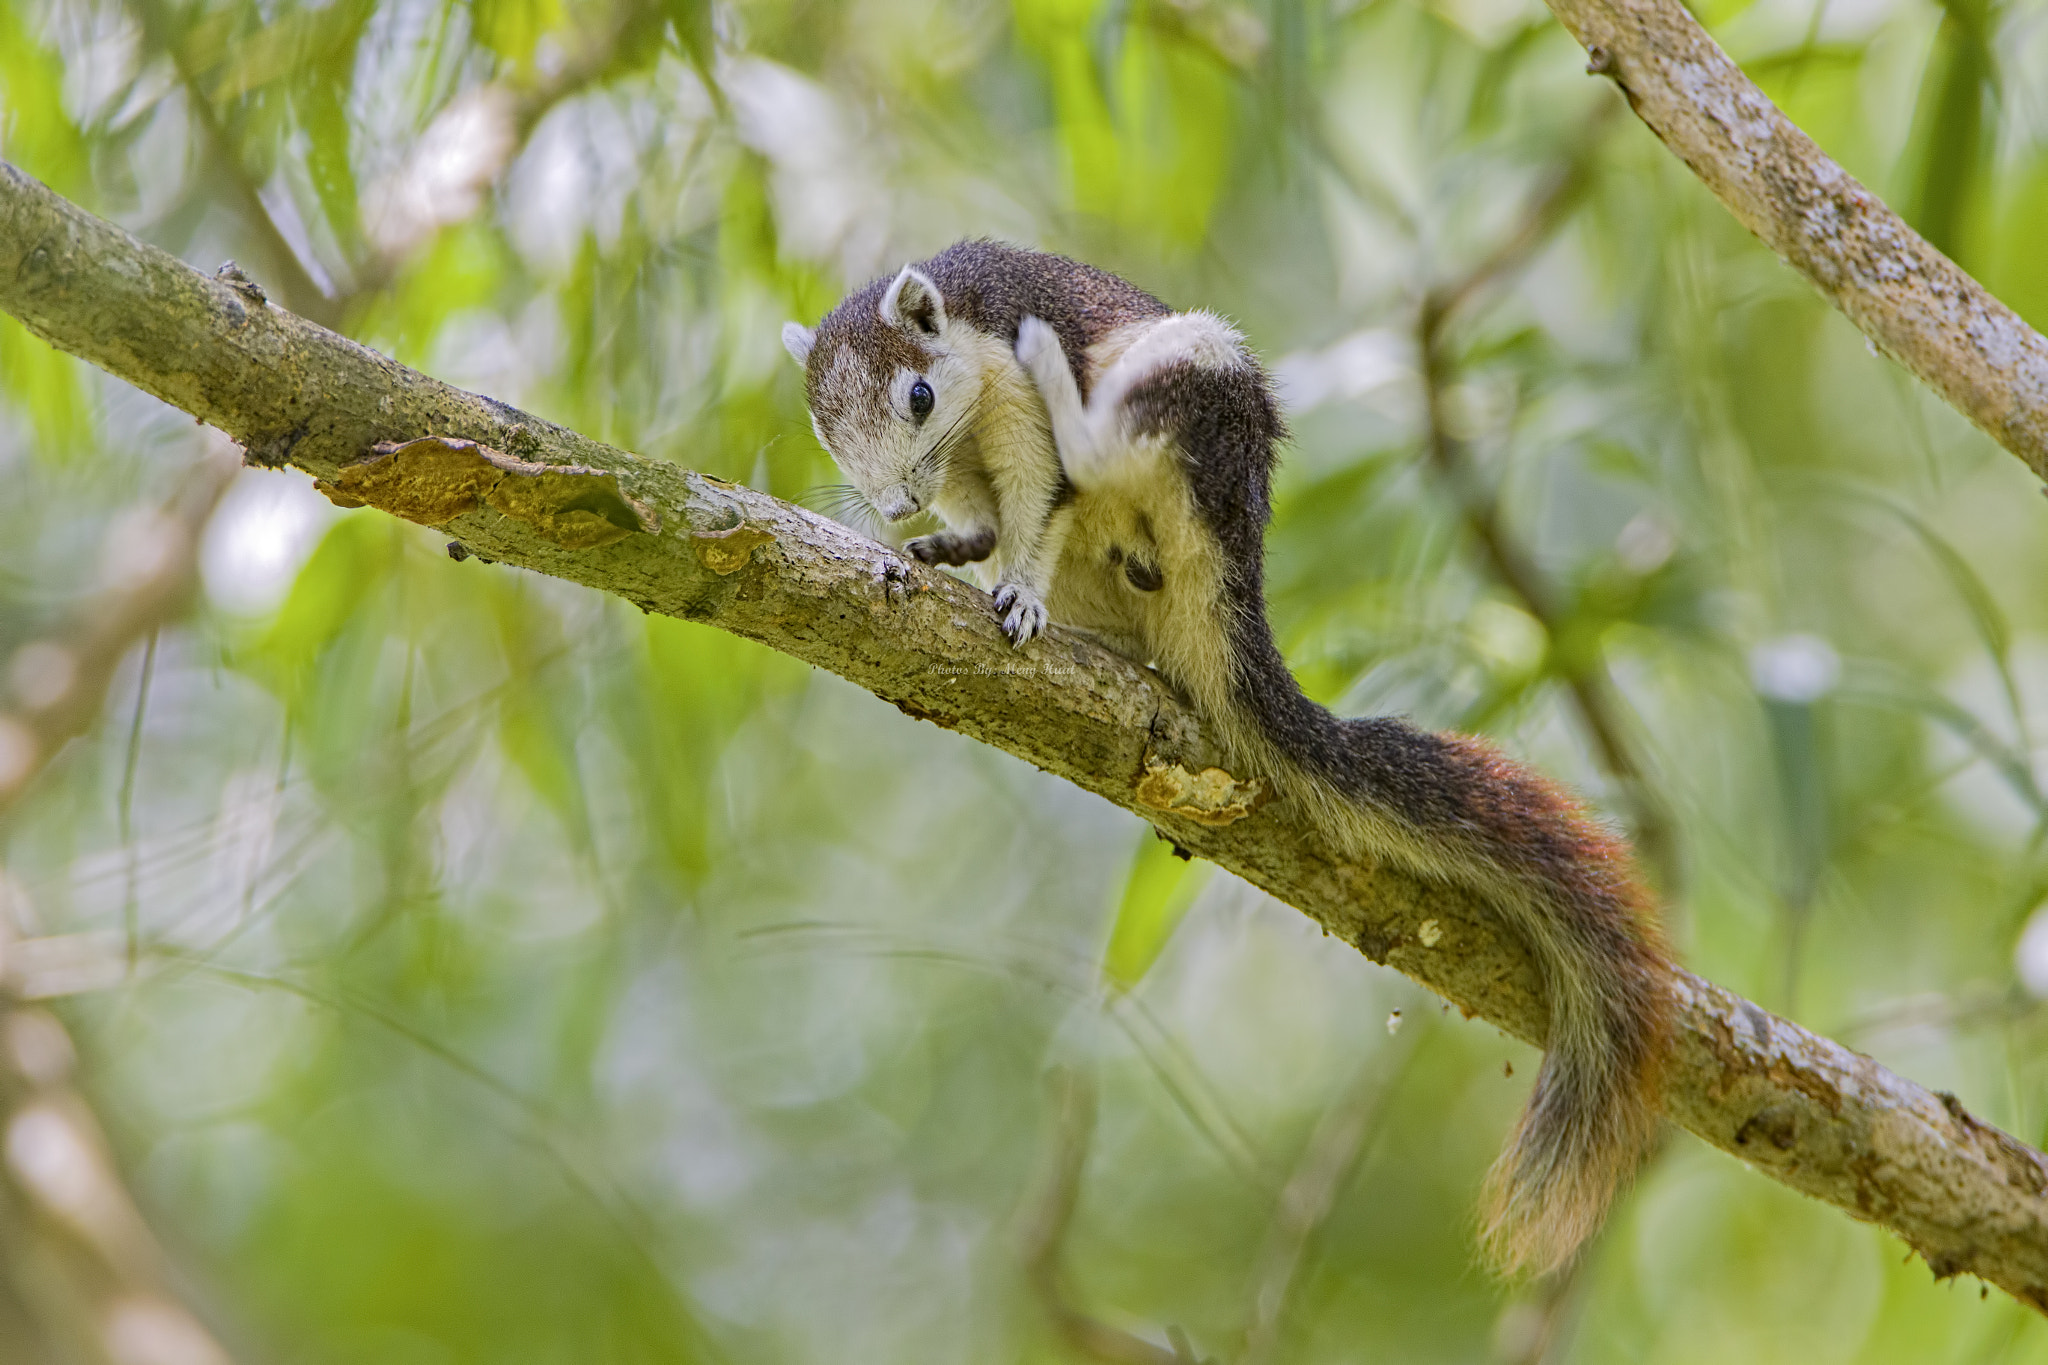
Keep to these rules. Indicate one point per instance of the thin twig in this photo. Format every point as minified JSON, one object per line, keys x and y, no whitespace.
{"x":1310,"y":1195}
{"x":129,"y":907}
{"x":1600,"y":709}
{"x":301,"y":292}
{"x":1044,"y":1239}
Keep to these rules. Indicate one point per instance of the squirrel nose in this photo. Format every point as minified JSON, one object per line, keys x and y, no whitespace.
{"x":897,"y":503}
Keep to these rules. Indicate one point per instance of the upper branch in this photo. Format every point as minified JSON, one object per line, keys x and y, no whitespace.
{"x":524,"y":491}
{"x":1914,"y":303}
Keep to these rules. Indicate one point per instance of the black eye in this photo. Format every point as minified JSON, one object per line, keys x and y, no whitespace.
{"x":920,"y":401}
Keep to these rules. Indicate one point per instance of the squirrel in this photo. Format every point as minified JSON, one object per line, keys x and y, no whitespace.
{"x":1107,"y":462}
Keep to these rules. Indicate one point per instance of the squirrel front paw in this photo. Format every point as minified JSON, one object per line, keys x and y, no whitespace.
{"x":952,"y":547}
{"x":1023,"y":613}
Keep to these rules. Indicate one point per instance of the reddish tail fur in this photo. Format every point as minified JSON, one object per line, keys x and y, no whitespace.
{"x":1586,"y":914}
{"x":1454,"y":808}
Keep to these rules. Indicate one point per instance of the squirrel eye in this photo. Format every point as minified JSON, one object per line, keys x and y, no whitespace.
{"x":920,"y":401}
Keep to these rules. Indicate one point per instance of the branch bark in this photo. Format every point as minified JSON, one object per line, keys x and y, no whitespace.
{"x":1914,"y":304}
{"x":1796,"y":1106}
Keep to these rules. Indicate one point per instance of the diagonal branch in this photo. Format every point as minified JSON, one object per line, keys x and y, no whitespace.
{"x":1800,"y":1108}
{"x":300,"y":289}
{"x":1914,"y":304}
{"x":74,"y":1249}
{"x":57,"y":682}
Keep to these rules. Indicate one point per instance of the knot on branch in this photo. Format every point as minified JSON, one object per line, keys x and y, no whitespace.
{"x":237,"y":279}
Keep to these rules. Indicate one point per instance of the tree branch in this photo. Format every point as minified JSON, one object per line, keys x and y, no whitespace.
{"x":1802,"y":1109}
{"x":73,"y":1246}
{"x":1914,"y":304}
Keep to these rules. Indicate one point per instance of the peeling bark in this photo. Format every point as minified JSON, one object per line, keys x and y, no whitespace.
{"x":1798,"y":1107}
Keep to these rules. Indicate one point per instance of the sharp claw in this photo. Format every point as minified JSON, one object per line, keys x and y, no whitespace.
{"x":1023,"y":624}
{"x":1022,"y":616}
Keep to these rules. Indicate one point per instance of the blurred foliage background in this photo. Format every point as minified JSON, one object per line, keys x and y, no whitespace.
{"x":465,"y":968}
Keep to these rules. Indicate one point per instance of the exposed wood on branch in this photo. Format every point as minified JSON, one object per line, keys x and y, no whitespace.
{"x":1803,"y":1109}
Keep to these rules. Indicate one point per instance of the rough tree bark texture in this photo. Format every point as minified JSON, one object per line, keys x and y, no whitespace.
{"x":520,"y":490}
{"x":1914,"y":303}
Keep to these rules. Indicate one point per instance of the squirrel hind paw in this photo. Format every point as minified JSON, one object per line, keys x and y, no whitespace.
{"x":1023,"y":614}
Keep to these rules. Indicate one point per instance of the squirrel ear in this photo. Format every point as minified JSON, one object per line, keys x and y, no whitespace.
{"x":798,"y":339}
{"x":913,"y":303}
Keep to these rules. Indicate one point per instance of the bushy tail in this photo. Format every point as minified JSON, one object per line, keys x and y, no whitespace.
{"x":1453,"y":807}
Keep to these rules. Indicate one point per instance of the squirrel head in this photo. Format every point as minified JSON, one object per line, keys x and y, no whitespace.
{"x":894,"y":389}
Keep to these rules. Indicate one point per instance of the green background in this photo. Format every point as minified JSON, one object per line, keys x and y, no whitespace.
{"x":524,"y":980}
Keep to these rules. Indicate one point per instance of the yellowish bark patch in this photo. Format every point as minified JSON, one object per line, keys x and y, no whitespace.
{"x":1209,"y":797}
{"x":725,"y":552}
{"x":437,"y":478}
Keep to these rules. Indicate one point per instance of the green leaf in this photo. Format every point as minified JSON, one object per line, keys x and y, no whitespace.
{"x":1158,"y":890}
{"x":348,"y":565}
{"x":2020,"y":276}
{"x":35,"y":132}
{"x":1149,"y":133}
{"x":464,"y":268}
{"x":1951,"y":133}
{"x":324,"y":116}
{"x":45,"y":384}
{"x":513,"y":28}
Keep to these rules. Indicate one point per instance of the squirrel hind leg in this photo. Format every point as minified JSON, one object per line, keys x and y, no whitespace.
{"x":1043,"y":357}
